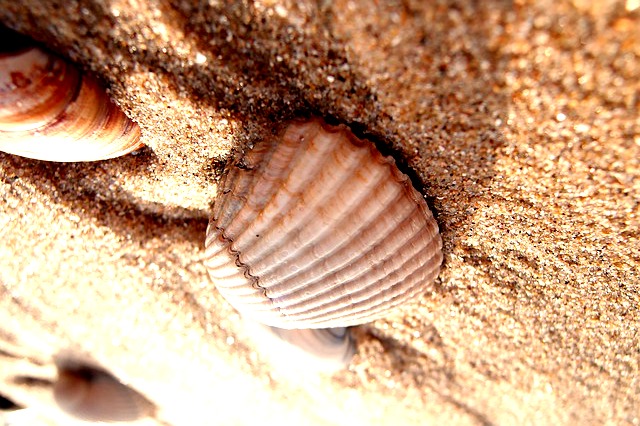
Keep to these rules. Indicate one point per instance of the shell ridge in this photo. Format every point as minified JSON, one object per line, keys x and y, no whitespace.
{"x":212,"y":248}
{"x":293,"y":205}
{"x":361,"y":311}
{"x":364,"y":226}
{"x":254,"y":279}
{"x":247,"y":213}
{"x":225,"y":210}
{"x":338,"y":260}
{"x":360,"y":258}
{"x":398,"y":275}
{"x":398,"y":284}
{"x":324,"y":295}
{"x":297,"y":158}
{"x":230,"y":175}
{"x":362,"y":314}
{"x":246,"y":270}
{"x":238,"y":184}
{"x":385,"y":297}
{"x":304,"y":209}
{"x":310,"y":242}
{"x":401,"y":178}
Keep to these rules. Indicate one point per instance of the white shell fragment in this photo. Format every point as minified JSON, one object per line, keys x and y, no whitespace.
{"x":315,"y":228}
{"x":94,"y":395}
{"x":49,"y":110}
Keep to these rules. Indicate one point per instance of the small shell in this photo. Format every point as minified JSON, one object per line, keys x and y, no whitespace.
{"x":49,"y":110}
{"x":329,"y":344}
{"x":94,"y":395}
{"x":323,"y":350}
{"x":316,"y":229}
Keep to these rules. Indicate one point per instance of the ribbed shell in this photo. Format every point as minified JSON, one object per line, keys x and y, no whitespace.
{"x":49,"y":110}
{"x":94,"y":395}
{"x":316,"y":229}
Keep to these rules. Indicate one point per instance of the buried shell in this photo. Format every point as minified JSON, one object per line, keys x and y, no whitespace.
{"x":94,"y":395}
{"x":49,"y":110}
{"x":317,"y":350}
{"x":316,"y":229}
{"x":329,"y":344}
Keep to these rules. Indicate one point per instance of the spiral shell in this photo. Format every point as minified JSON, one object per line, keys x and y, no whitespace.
{"x":315,"y":228}
{"x":94,"y":395}
{"x":49,"y":110}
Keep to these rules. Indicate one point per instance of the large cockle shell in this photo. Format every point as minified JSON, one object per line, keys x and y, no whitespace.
{"x":315,"y":228}
{"x":94,"y":395}
{"x":49,"y":110}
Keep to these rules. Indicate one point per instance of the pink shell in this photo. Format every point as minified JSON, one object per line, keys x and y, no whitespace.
{"x":315,"y":228}
{"x":49,"y":110}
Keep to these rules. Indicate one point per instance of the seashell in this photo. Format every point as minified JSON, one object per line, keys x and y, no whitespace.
{"x":49,"y":110}
{"x":329,"y":344}
{"x":321,"y":350}
{"x":315,"y":228}
{"x":94,"y":395}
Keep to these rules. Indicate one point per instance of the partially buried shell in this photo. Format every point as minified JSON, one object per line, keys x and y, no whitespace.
{"x":320,"y":350}
{"x":49,"y":110}
{"x":315,"y":228}
{"x":331,"y":345}
{"x":94,"y":395}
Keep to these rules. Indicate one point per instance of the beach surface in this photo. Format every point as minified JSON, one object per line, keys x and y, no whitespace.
{"x":518,"y":120}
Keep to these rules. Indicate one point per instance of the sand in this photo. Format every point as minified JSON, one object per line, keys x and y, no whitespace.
{"x":519,"y":121}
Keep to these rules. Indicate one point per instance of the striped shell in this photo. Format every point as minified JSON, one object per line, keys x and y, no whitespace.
{"x":94,"y":395}
{"x":315,"y":228}
{"x":328,"y":344}
{"x":49,"y":110}
{"x":318,"y":350}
